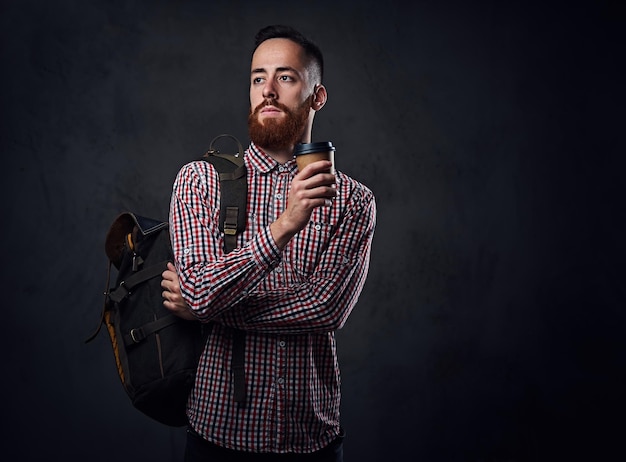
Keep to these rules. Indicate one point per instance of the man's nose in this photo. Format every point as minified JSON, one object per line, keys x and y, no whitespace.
{"x":269,"y":91}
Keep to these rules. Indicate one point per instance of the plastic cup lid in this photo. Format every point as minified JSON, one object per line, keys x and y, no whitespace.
{"x":307,"y":148}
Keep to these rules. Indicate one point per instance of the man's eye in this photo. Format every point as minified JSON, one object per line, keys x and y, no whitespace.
{"x":285,"y":78}
{"x":257,"y":80}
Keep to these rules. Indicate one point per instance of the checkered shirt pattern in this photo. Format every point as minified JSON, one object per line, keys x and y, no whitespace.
{"x":290,"y":304}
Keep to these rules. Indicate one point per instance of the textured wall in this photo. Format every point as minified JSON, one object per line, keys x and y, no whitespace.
{"x":492,"y":324}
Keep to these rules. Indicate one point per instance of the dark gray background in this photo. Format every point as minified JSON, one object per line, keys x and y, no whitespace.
{"x":492,"y":325}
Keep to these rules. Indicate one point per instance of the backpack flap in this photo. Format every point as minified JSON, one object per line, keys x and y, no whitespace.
{"x":130,"y":239}
{"x":126,"y":230}
{"x":115,"y":241}
{"x":126,"y":226}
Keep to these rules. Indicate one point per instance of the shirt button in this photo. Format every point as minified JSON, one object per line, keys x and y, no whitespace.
{"x":281,"y":344}
{"x":281,"y":380}
{"x":318,"y":227}
{"x":279,"y":196}
{"x":279,"y":270}
{"x":187,"y":251}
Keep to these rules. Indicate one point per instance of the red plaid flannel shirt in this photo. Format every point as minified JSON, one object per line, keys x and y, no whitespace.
{"x":290,"y":304}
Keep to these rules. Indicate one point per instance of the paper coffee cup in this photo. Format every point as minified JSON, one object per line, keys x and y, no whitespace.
{"x":306,"y":153}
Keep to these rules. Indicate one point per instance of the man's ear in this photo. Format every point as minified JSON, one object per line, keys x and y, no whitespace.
{"x":319,"y":97}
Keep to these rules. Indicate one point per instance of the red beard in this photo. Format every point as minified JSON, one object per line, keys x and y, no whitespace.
{"x":283,"y":133}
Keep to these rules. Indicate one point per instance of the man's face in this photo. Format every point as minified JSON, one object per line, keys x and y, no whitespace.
{"x":280,"y":94}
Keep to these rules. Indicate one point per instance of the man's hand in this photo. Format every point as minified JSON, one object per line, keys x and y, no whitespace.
{"x":311,"y":188}
{"x":172,"y":298}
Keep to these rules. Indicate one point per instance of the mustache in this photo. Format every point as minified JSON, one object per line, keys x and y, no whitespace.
{"x":271,"y":102}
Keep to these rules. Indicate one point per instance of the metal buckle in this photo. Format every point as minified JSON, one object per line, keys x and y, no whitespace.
{"x":137,"y":338}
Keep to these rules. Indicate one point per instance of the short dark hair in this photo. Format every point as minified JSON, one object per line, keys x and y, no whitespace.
{"x":311,"y":50}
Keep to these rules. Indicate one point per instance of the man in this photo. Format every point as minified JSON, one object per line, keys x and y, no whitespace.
{"x":292,"y":281}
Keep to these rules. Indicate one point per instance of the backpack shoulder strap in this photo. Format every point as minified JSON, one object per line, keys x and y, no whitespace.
{"x":234,"y":190}
{"x":233,"y":209}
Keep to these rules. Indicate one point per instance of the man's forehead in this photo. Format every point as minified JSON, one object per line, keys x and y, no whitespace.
{"x":278,"y":53}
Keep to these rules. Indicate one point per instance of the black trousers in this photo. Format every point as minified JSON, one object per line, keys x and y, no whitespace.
{"x":200,"y":450}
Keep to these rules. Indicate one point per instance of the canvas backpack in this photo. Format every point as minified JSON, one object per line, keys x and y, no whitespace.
{"x":156,"y":352}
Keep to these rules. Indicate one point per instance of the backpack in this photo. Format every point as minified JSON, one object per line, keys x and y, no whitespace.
{"x":157,"y":352}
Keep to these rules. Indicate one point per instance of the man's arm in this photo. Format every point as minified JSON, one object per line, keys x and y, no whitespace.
{"x":211,"y":281}
{"x":322,"y":300}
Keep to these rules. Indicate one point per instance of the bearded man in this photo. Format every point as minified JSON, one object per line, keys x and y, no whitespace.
{"x":291,"y":283}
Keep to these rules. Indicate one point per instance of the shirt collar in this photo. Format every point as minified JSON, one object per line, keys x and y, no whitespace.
{"x":264,"y":163}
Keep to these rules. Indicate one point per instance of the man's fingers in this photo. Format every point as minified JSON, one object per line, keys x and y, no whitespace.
{"x":171,"y":287}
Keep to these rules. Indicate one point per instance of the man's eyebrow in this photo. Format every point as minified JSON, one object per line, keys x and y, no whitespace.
{"x":261,"y":70}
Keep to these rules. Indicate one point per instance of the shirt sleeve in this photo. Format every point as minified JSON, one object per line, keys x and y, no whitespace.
{"x":324,"y":299}
{"x":212,"y":281}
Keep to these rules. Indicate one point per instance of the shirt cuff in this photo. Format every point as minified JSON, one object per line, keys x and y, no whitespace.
{"x":265,"y":251}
